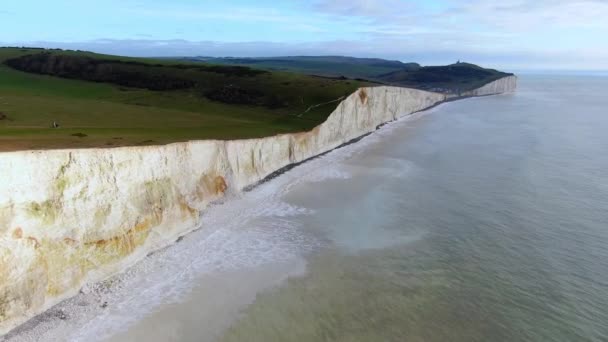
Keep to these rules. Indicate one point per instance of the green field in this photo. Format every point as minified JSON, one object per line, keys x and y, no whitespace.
{"x":92,"y":114}
{"x":103,"y":101}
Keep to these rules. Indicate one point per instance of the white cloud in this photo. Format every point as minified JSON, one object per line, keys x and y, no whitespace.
{"x":520,"y":15}
{"x":229,"y":14}
{"x":385,"y":10}
{"x":511,"y":14}
{"x":550,"y":28}
{"x":507,"y":33}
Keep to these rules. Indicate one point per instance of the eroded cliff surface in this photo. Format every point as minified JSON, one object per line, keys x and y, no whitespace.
{"x":505,"y":84}
{"x":71,"y":217}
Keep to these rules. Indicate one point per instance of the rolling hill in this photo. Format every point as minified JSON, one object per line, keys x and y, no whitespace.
{"x":100,"y":100}
{"x":60,"y":99}
{"x":452,"y":78}
{"x":329,"y":66}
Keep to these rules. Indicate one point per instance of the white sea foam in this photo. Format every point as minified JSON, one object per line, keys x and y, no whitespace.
{"x":247,"y":231}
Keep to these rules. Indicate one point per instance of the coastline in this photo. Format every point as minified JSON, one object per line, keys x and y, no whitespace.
{"x":50,"y":218}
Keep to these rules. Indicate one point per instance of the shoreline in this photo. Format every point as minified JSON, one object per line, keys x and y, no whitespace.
{"x":180,"y":205}
{"x":275,"y":272}
{"x":231,"y":311}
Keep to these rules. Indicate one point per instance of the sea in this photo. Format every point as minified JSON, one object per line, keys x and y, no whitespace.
{"x":484,"y":219}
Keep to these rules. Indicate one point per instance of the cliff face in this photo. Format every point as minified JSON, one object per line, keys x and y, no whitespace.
{"x":69,"y":217}
{"x":502,"y":85}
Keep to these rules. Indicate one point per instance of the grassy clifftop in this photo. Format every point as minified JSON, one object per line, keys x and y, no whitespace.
{"x":454,"y":78}
{"x":101,"y":100}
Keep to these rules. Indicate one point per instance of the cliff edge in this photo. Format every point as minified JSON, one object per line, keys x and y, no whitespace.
{"x":71,"y":217}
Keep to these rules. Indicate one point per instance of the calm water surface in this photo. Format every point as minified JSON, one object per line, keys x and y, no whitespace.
{"x":486,"y":220}
{"x":481,"y":220}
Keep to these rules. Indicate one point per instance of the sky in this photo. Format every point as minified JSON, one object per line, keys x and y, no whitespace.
{"x":507,"y":34}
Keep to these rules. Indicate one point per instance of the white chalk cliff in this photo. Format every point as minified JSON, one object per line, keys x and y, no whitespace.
{"x":71,"y":217}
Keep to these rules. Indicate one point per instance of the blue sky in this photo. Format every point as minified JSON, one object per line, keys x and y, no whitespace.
{"x":512,"y":34}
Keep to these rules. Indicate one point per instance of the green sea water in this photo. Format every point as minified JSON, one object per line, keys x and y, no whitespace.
{"x":485,"y":220}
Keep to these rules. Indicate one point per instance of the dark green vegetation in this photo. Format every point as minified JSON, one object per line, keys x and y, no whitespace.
{"x":126,"y":73}
{"x":100,"y":100}
{"x":329,"y":66}
{"x":56,"y":98}
{"x":452,"y":78}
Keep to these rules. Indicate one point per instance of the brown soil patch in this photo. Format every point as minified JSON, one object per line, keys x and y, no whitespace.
{"x":363,"y":96}
{"x":220,"y":185}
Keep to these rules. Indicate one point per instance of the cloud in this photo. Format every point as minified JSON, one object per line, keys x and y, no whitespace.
{"x":388,"y":9}
{"x":503,"y":15}
{"x":525,"y":15}
{"x":236,"y":14}
{"x":565,"y":12}
{"x":534,"y":27}
{"x":230,"y":16}
{"x":506,"y":33}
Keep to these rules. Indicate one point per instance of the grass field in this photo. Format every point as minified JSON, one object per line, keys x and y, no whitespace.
{"x":92,"y":114}
{"x":104,"y":101}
